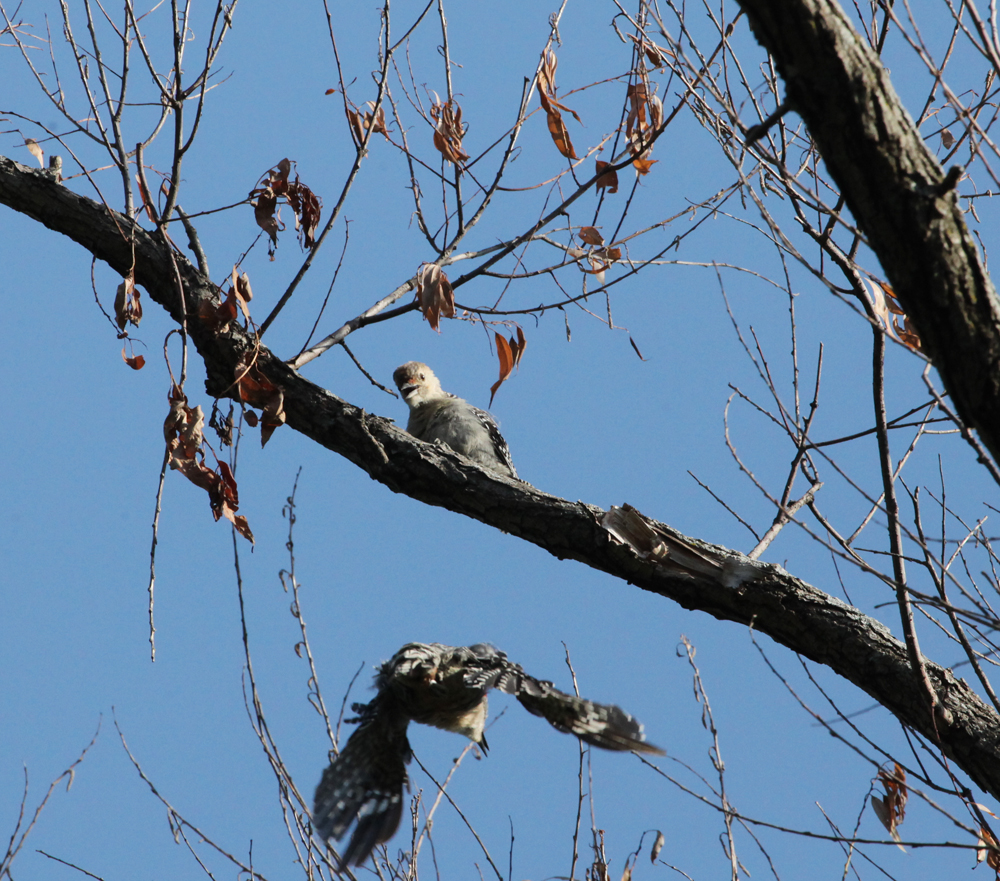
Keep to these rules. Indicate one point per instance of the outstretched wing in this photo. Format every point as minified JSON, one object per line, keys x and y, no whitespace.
{"x":603,"y":725}
{"x":365,"y":783}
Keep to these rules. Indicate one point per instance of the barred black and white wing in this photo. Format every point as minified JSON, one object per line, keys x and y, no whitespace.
{"x":603,"y":725}
{"x":500,"y":448}
{"x":365,"y":783}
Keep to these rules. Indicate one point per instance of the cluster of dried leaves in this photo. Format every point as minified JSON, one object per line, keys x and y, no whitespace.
{"x":361,"y":121}
{"x":892,"y":809}
{"x":128,"y":310}
{"x":448,"y":130}
{"x":645,"y":116}
{"x":884,"y":302}
{"x":258,"y":391}
{"x":183,"y":431}
{"x":435,"y":295}
{"x":598,"y":257}
{"x":306,"y":205}
{"x":234,"y":301}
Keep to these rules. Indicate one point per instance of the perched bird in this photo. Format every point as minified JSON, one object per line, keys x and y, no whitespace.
{"x":445,"y":687}
{"x":436,"y":415}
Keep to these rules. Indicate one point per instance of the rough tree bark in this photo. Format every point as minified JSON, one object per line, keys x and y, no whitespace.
{"x":901,"y":198}
{"x":694,"y":574}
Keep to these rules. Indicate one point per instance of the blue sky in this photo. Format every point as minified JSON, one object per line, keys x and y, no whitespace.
{"x":585,"y":419}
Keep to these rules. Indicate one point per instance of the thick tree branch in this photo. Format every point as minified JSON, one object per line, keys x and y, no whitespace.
{"x":694,"y":574}
{"x":898,"y":193}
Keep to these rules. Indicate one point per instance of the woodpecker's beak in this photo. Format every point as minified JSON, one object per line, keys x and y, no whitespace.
{"x":407,"y":390}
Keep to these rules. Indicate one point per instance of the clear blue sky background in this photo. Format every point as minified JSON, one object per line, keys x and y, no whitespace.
{"x":585,"y":419}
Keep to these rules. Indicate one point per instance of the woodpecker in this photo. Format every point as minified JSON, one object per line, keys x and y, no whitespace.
{"x":436,"y":415}
{"x":445,"y":687}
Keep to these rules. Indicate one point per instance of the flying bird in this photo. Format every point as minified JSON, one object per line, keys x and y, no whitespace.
{"x":446,"y":687}
{"x":437,"y":415}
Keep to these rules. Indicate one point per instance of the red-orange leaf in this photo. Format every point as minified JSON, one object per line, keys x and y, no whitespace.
{"x":509,"y":354}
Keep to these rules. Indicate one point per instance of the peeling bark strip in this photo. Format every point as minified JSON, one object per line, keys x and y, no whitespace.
{"x":651,"y":555}
{"x":898,"y":193}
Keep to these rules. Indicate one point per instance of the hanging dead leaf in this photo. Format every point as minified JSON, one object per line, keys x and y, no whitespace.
{"x":634,"y":346}
{"x":448,"y":130}
{"x":305,"y":204}
{"x":606,"y":179}
{"x":128,"y":308}
{"x":509,"y":353}
{"x":136,"y":362}
{"x":591,"y":236}
{"x":947,"y":139}
{"x":551,"y":106}
{"x":644,"y":119}
{"x":660,"y":840}
{"x":257,"y":390}
{"x":657,"y":55}
{"x":35,"y":151}
{"x":435,"y":294}
{"x":988,"y":850}
{"x":363,"y":120}
{"x":239,"y":290}
{"x":884,"y":303}
{"x":892,"y":809}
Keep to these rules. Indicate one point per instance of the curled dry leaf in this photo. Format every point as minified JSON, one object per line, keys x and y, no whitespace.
{"x":448,"y":130}
{"x":657,"y":846}
{"x":892,"y":809}
{"x":947,"y":139}
{"x":257,"y":390}
{"x":435,"y":294}
{"x":136,"y":362}
{"x":645,"y":117}
{"x":35,"y":151}
{"x":551,"y":106}
{"x":128,"y":308}
{"x":305,"y":204}
{"x":657,"y":55}
{"x":591,"y":236}
{"x":234,"y":301}
{"x":362,"y":120}
{"x":884,"y":303}
{"x":606,"y":179}
{"x":988,"y":850}
{"x":183,"y":432}
{"x":509,"y":353}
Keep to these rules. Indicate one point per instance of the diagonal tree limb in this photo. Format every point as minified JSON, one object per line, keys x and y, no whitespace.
{"x":899,"y":194}
{"x":694,"y":574}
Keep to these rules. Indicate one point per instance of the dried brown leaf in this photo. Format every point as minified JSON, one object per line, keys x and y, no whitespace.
{"x":136,"y":362}
{"x":509,"y":354}
{"x":448,"y":130}
{"x":591,"y":236}
{"x":551,"y":106}
{"x":657,"y":845}
{"x":947,"y":139}
{"x":891,"y":810}
{"x":128,"y":308}
{"x":35,"y":151}
{"x":634,"y":346}
{"x":256,"y":389}
{"x":435,"y":295}
{"x":306,"y":205}
{"x":606,"y":179}
{"x":988,"y":850}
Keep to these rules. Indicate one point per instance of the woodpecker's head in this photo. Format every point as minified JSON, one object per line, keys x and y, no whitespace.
{"x":416,"y":383}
